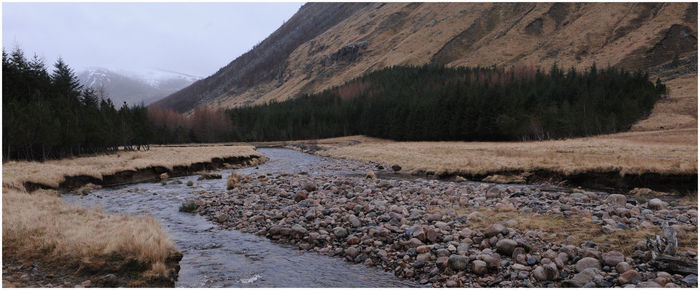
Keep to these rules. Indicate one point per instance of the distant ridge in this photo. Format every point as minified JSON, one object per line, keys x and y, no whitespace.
{"x":134,"y":87}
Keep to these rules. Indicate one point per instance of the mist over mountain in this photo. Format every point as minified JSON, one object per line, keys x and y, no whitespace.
{"x":134,"y":87}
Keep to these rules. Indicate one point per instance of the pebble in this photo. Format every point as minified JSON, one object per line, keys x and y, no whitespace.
{"x":340,"y":232}
{"x":690,"y":279}
{"x":458,"y":262}
{"x":617,"y":199}
{"x":584,"y":277}
{"x":493,"y":230}
{"x":412,"y":227}
{"x":506,"y":246}
{"x":613,"y":258}
{"x":656,"y":204}
{"x":630,"y":276}
{"x":622,"y":267}
{"x":479,"y":267}
{"x":531,"y":261}
{"x":587,"y":263}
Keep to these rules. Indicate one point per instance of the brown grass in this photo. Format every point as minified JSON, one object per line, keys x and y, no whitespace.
{"x":327,"y":143}
{"x":577,"y":229}
{"x":679,"y":110}
{"x":40,"y":226}
{"x":52,"y":173}
{"x":670,"y":152}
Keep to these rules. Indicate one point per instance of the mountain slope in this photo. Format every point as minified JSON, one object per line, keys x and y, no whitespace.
{"x":327,"y":44}
{"x":134,"y":88}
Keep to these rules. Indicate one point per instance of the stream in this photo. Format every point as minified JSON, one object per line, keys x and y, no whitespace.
{"x":214,"y":257}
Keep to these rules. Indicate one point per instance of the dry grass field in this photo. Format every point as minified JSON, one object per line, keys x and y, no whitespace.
{"x":39,"y":226}
{"x":51,"y":173}
{"x":679,"y":110}
{"x":669,"y":152}
{"x":665,"y":142}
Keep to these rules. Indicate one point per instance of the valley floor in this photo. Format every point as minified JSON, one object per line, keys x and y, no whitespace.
{"x":414,"y":228}
{"x":663,"y":160}
{"x":660,"y":150}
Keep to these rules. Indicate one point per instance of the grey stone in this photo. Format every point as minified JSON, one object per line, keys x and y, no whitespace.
{"x":414,"y":243}
{"x":656,"y":204}
{"x":648,"y":284}
{"x":506,"y":246}
{"x":492,"y":260}
{"x":622,"y":267}
{"x":340,"y":232}
{"x":425,"y":257}
{"x":352,"y":252}
{"x":493,"y":230}
{"x":458,"y":262}
{"x":617,"y":199}
{"x":354,"y":221}
{"x":479,"y":267}
{"x":690,"y":279}
{"x":630,"y":276}
{"x":612,"y":258}
{"x":587,"y":263}
{"x":462,"y":248}
{"x":581,"y":279}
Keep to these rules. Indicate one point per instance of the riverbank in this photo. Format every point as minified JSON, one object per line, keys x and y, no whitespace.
{"x":464,"y":234}
{"x":660,"y":160}
{"x":214,"y":257}
{"x":124,"y":166}
{"x":74,"y":244}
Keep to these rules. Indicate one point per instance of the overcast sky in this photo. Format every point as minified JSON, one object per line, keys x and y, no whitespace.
{"x":191,"y":38}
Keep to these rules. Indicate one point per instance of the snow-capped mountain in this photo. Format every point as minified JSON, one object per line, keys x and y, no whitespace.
{"x":134,"y":87}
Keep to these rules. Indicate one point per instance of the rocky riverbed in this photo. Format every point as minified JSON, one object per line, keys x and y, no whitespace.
{"x":215,"y":257}
{"x":463,"y":234}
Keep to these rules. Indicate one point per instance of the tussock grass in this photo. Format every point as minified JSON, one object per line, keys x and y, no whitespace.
{"x":41,"y":226}
{"x":52,"y":173}
{"x":665,"y":152}
{"x":577,"y":229}
{"x":233,"y":180}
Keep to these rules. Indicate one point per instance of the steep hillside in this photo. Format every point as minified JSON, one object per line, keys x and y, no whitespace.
{"x":327,"y":44}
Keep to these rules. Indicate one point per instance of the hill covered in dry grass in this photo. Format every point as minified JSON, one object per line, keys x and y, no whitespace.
{"x":328,"y":44}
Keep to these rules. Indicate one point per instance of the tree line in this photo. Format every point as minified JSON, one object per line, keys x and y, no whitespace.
{"x":472,"y":104}
{"x":49,"y":115}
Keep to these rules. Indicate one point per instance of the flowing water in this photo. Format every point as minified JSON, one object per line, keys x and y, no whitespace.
{"x":214,"y":257}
